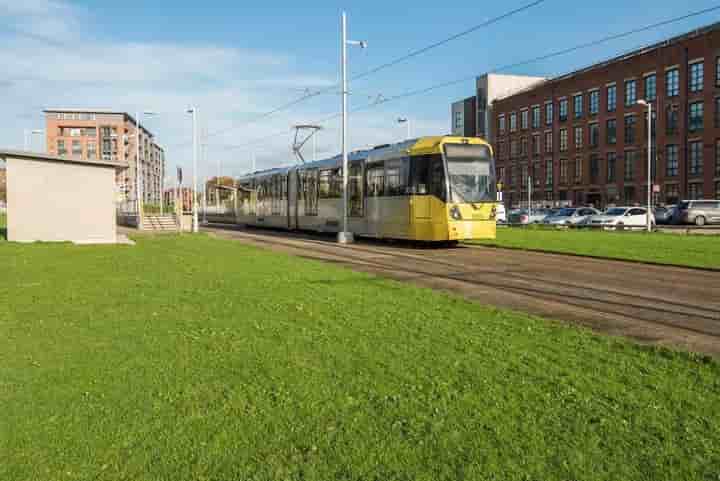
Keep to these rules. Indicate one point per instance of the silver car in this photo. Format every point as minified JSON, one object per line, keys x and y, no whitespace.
{"x":698,"y":212}
{"x":570,"y":216}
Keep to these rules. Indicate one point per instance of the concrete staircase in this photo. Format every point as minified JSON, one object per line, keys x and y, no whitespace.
{"x":162,"y":223}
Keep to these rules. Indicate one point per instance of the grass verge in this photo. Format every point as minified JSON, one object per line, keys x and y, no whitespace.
{"x":188,"y":357}
{"x":672,"y":249}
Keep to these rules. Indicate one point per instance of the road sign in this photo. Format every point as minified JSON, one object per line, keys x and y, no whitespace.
{"x":656,"y":188}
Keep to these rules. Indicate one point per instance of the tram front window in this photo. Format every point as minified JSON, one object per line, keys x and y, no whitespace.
{"x":471,"y":172}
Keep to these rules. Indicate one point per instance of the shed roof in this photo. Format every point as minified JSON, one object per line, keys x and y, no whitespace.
{"x":19,"y":154}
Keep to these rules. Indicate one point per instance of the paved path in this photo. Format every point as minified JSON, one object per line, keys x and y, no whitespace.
{"x":654,"y":304}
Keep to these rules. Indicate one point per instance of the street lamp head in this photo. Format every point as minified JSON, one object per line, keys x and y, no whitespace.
{"x":149,"y":112}
{"x":642,"y":102}
{"x":37,"y":131}
{"x":363,"y":44}
{"x":191,"y":110}
{"x":402,"y":120}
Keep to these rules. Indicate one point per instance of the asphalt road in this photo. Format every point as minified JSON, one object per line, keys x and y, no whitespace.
{"x":652,"y":304}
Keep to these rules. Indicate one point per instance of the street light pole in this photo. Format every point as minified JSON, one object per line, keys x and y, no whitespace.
{"x":193,"y":111}
{"x":345,"y":237}
{"x":649,"y":164}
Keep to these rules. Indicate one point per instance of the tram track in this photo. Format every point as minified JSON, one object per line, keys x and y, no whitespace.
{"x":677,"y":318}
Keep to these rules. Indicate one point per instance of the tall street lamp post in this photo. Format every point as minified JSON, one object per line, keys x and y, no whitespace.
{"x":345,"y":237}
{"x":649,"y":163}
{"x":193,"y":111}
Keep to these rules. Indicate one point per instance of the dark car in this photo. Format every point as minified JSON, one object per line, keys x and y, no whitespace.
{"x":664,"y":214}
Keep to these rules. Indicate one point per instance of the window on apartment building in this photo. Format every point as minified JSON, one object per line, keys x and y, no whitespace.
{"x":537,"y":175}
{"x":563,"y":171}
{"x":578,"y":138}
{"x":501,"y":175}
{"x":696,"y":117}
{"x":578,"y":106}
{"x":76,"y":148}
{"x":594,"y":135}
{"x":630,"y":92}
{"x":92,"y":149}
{"x":548,"y":142}
{"x":611,"y":98}
{"x":695,"y":191}
{"x":523,"y":147}
{"x":563,"y":140}
{"x":548,"y":113}
{"x":717,"y":159}
{"x":524,"y":114}
{"x":671,"y":161}
{"x":594,"y":168}
{"x":536,"y":145}
{"x":75,"y":132}
{"x":511,"y":175}
{"x":673,"y":120}
{"x":501,"y":123}
{"x":458,"y":120}
{"x":717,"y":111}
{"x":697,"y":74}
{"x":513,"y":149}
{"x":563,"y":110}
{"x":672,"y":83}
{"x":611,"y":166}
{"x":630,"y":156}
{"x":594,"y":101}
{"x":549,"y":172}
{"x":611,"y":132}
{"x":695,"y":152}
{"x":536,"y":117}
{"x":578,"y":170}
{"x":61,"y":147}
{"x":523,"y":176}
{"x":672,"y":193}
{"x":650,"y":87}
{"x":513,"y":122}
{"x":500,"y":149}
{"x":630,"y":124}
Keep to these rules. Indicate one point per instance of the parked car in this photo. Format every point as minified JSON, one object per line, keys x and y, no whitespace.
{"x":521,"y":216}
{"x":621,"y":217}
{"x":698,"y":212}
{"x":664,"y":214}
{"x":570,"y":216}
{"x":500,"y":215}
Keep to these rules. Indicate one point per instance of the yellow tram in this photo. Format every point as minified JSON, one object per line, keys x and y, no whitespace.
{"x":434,"y":189}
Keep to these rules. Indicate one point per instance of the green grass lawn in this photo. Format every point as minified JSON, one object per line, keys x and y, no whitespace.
{"x":3,"y":227}
{"x":683,"y":250}
{"x":188,"y":358}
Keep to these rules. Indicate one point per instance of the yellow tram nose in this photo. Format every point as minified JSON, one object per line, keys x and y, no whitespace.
{"x":471,"y":221}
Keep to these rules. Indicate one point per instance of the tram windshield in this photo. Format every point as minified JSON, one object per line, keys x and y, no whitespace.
{"x":471,"y":172}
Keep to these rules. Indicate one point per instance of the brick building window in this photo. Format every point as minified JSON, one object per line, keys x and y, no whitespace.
{"x":524,"y":115}
{"x":536,"y":174}
{"x":578,"y":170}
{"x":717,"y":111}
{"x":523,"y":176}
{"x":578,"y":137}
{"x":594,"y":135}
{"x":511,"y":176}
{"x":611,"y":132}
{"x":61,"y":148}
{"x":91,"y":149}
{"x":650,"y":88}
{"x":523,"y":147}
{"x":672,"y":193}
{"x":501,"y":175}
{"x":673,"y":120}
{"x":697,"y":74}
{"x":594,"y":168}
{"x":630,"y":123}
{"x":513,"y":122}
{"x":594,"y":102}
{"x":611,"y":166}
{"x":563,"y":171}
{"x":578,"y":106}
{"x":695,"y":152}
{"x":549,"y":172}
{"x":630,"y":156}
{"x":695,"y":191}
{"x":671,"y":161}
{"x":563,"y":110}
{"x":536,"y":117}
{"x":696,"y":117}
{"x":513,"y":149}
{"x":536,"y":144}
{"x":672,"y":83}
{"x":630,"y":93}
{"x":548,"y":113}
{"x":548,"y":142}
{"x":501,"y":123}
{"x":563,"y":140}
{"x":611,"y":98}
{"x":717,"y":159}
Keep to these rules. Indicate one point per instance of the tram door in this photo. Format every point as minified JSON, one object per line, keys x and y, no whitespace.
{"x":292,"y":199}
{"x":356,"y":197}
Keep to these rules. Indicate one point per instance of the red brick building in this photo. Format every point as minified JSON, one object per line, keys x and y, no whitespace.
{"x":582,"y":137}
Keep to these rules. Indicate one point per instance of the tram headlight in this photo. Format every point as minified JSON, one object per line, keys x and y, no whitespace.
{"x":455,"y":213}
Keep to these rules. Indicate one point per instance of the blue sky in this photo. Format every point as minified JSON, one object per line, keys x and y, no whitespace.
{"x":236,"y":60}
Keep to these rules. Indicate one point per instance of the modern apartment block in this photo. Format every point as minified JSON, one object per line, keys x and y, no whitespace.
{"x":472,"y":117}
{"x":109,"y":135}
{"x":581,"y":138}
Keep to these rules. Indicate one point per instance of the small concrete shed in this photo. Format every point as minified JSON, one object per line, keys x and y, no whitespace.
{"x":58,"y":199}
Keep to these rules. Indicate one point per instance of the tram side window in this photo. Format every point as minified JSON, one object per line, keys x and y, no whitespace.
{"x":311,"y":192}
{"x":324,"y":184}
{"x":427,"y":176}
{"x":394,"y":184}
{"x":355,"y":189}
{"x":375,"y":180}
